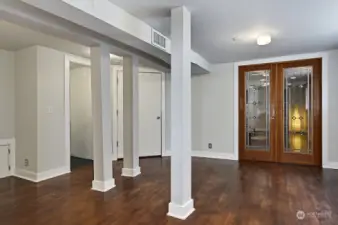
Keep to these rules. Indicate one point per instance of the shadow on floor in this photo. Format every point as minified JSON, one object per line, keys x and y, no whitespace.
{"x":76,"y":162}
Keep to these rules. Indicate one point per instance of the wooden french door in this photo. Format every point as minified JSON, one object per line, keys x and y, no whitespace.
{"x":280,"y":112}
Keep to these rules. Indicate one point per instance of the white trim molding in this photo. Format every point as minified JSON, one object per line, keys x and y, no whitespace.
{"x":127,"y":172}
{"x":163,"y":115}
{"x":69,"y":58}
{"x":42,"y":176}
{"x":103,"y":186}
{"x":52,"y":173}
{"x":331,"y":165}
{"x":26,"y":175}
{"x":181,"y":211}
{"x":78,"y":60}
{"x":67,"y":109}
{"x":213,"y":155}
{"x":325,"y":94}
{"x":166,"y":153}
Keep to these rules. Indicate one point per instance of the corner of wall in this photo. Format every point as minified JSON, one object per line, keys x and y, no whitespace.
{"x":25,"y":108}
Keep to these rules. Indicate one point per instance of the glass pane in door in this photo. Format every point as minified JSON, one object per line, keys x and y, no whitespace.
{"x":298,"y":110}
{"x":257,"y":122}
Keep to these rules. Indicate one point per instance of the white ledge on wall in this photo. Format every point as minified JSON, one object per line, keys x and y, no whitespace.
{"x":207,"y":154}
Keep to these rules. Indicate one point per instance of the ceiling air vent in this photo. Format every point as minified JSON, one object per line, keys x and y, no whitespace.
{"x":159,"y":40}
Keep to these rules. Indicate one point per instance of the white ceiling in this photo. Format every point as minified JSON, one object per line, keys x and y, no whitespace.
{"x":13,"y":38}
{"x":296,"y":26}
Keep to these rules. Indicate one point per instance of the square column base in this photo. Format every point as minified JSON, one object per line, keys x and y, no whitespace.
{"x":128,"y":172}
{"x":103,"y":186}
{"x":181,"y":211}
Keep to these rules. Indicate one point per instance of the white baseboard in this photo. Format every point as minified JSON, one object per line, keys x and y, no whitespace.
{"x":127,"y":172}
{"x":52,"y":173}
{"x":38,"y":177}
{"x":103,"y":186}
{"x":26,"y":175}
{"x":331,"y":165}
{"x":213,"y":155}
{"x":207,"y":154}
{"x":166,"y":153}
{"x":181,"y":211}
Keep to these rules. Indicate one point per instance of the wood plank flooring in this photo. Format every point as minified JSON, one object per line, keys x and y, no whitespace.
{"x":225,"y":192}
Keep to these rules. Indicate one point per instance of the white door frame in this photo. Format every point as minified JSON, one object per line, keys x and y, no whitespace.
{"x":325,"y":94}
{"x":78,"y":60}
{"x":86,"y":62}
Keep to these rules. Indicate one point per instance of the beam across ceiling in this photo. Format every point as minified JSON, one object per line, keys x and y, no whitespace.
{"x":110,"y":21}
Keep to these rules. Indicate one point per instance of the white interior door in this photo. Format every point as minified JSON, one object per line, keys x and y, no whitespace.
{"x":150,"y":107}
{"x":4,"y":162}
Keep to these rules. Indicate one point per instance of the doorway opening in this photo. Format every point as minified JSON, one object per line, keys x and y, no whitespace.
{"x":280,"y":112}
{"x":78,"y":110}
{"x":151,"y":112}
{"x":81,"y":143}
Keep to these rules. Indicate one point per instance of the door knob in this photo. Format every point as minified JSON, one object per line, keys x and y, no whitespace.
{"x":158,"y":117}
{"x":273,"y":116}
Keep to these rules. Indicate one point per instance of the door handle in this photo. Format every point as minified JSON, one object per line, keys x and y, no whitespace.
{"x":273,"y":116}
{"x":241,"y":105}
{"x":158,"y":117}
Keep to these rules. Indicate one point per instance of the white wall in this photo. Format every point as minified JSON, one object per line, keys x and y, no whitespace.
{"x":81,"y":143}
{"x":167,"y":96}
{"x":333,"y":106}
{"x":39,"y":114}
{"x":212,"y":110}
{"x":40,"y":80}
{"x":51,"y":112}
{"x":7,"y":94}
{"x":26,"y":104}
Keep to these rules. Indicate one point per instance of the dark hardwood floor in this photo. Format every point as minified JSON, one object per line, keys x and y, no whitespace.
{"x":225,"y":192}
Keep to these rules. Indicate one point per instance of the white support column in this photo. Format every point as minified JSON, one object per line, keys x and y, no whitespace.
{"x":101,"y":106}
{"x":130,"y":118}
{"x":181,"y":205}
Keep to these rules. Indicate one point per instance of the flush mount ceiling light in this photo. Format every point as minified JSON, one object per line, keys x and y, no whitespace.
{"x":264,"y":40}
